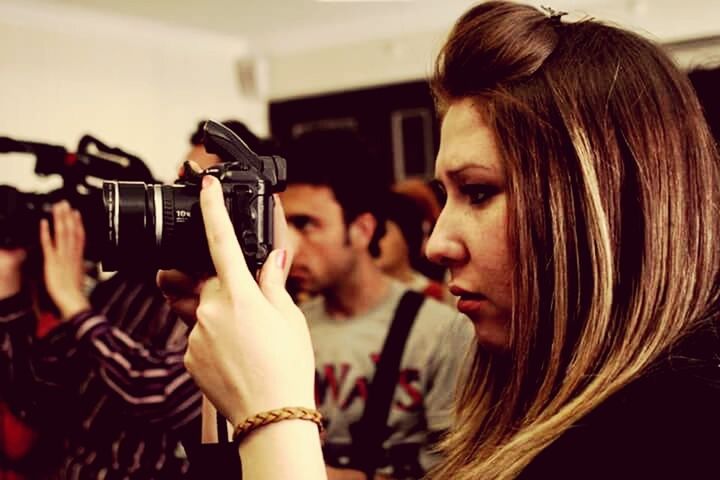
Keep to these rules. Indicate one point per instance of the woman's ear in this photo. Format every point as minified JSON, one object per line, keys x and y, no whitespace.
{"x":362,"y":230}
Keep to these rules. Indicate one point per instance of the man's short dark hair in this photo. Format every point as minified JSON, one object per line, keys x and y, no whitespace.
{"x":342,"y":161}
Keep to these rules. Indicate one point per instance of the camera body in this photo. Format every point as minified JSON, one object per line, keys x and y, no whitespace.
{"x":161,"y":226}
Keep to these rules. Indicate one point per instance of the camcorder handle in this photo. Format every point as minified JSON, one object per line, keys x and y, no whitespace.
{"x":101,"y":161}
{"x":49,"y":159}
{"x":95,"y":158}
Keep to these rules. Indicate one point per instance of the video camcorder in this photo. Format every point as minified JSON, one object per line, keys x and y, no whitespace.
{"x":21,"y":212}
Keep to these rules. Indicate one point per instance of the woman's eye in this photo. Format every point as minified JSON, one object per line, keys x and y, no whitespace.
{"x":477,"y":193}
{"x":439,"y":190}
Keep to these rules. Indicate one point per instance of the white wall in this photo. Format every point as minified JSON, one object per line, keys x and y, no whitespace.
{"x":143,"y":85}
{"x":355,"y":58}
{"x":133,"y":84}
{"x":400,"y":58}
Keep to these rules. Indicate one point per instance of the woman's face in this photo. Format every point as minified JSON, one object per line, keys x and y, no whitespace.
{"x":470,"y":236}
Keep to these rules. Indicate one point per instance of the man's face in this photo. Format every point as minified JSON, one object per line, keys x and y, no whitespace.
{"x":325,"y":255}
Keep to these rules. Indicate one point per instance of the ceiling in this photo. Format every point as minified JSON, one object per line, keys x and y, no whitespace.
{"x":258,"y":17}
{"x":273,"y":26}
{"x":271,"y":21}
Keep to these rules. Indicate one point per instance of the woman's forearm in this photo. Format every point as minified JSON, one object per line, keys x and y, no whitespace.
{"x":287,"y":449}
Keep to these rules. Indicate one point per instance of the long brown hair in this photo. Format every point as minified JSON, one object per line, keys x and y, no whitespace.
{"x":613,"y":217}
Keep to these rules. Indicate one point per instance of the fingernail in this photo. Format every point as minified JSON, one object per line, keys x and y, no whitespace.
{"x":281,"y":258}
{"x":207,"y":181}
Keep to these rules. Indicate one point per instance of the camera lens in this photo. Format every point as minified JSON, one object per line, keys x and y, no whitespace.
{"x":130,"y":210}
{"x":148,"y":226}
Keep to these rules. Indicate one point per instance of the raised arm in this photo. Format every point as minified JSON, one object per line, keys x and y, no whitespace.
{"x":250,"y":351}
{"x":149,"y":383}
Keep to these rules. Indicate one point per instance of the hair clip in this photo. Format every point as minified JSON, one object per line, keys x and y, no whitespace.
{"x":555,"y":15}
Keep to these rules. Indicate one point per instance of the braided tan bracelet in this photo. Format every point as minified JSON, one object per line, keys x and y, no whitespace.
{"x":244,"y":428}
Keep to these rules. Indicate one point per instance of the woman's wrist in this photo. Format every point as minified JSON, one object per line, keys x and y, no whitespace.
{"x":287,"y":449}
{"x":73,"y":305}
{"x":264,"y":403}
{"x":243,"y":429}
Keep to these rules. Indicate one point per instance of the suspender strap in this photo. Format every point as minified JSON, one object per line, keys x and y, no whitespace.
{"x":221,"y":425}
{"x":370,"y":431}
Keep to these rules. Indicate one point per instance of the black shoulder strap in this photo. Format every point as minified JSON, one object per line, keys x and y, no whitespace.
{"x":369,"y":432}
{"x":219,"y":461}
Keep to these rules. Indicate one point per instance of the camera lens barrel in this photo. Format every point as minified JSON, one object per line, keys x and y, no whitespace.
{"x":130,"y":207}
{"x":149,"y":225}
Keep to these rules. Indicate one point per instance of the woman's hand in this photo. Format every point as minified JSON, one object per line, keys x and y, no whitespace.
{"x":250,"y":349}
{"x":182,"y":293}
{"x":63,"y":259}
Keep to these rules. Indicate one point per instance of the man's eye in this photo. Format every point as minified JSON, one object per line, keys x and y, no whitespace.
{"x":477,"y":193}
{"x":299,"y":221}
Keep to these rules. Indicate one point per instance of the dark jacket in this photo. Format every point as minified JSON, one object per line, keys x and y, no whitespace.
{"x":664,"y":425}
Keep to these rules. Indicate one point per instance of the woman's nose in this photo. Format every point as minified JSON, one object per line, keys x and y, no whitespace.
{"x":444,"y":246}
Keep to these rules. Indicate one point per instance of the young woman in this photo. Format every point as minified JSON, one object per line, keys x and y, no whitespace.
{"x":580,"y":229}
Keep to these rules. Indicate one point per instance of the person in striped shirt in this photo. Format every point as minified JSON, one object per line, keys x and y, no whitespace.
{"x":110,"y":377}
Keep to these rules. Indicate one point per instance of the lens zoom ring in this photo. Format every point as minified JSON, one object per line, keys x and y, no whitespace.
{"x":168,"y":206}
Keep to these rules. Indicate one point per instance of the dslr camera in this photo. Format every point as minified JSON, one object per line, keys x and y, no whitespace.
{"x":161,"y":226}
{"x":81,"y":171}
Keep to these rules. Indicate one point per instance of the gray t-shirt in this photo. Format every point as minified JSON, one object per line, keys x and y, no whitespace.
{"x":345,"y":355}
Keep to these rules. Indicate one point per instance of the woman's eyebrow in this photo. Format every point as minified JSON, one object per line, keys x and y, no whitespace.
{"x":463,"y":170}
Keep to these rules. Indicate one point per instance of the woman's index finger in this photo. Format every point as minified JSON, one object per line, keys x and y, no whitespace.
{"x":227,"y":256}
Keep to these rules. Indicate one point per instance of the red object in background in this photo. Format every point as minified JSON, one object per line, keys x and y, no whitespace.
{"x":45,"y":323}
{"x":70,"y":159}
{"x":434,"y":290}
{"x":16,"y":438}
{"x":10,"y":476}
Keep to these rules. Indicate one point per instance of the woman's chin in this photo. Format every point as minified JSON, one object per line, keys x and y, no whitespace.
{"x":491,"y":337}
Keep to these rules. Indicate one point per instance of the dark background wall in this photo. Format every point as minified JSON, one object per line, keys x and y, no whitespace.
{"x":397,"y":120}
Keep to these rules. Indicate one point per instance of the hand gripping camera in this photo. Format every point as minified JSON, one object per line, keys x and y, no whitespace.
{"x":161,"y":226}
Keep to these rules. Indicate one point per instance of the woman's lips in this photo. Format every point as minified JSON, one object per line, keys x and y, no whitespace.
{"x":468,"y":303}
